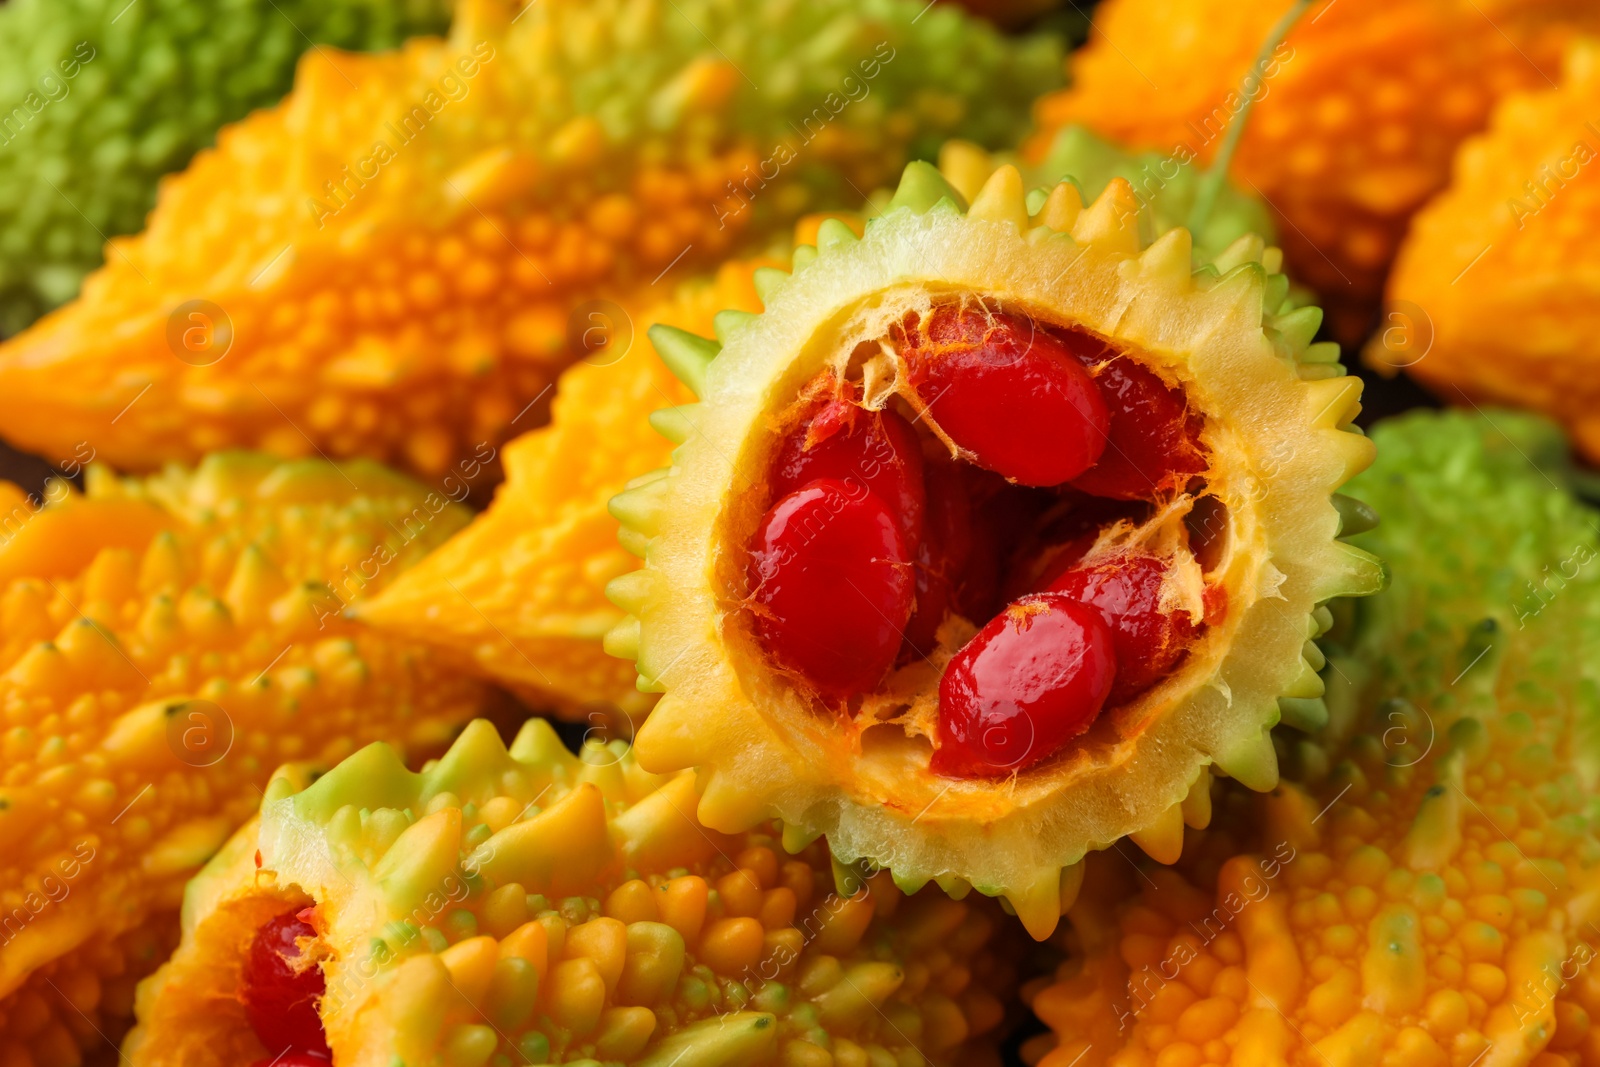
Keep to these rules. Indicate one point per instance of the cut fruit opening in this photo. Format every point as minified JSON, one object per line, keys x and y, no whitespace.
{"x":281,"y":987}
{"x":984,"y":529}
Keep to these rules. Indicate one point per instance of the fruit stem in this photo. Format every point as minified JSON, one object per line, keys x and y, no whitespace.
{"x":1211,"y":181}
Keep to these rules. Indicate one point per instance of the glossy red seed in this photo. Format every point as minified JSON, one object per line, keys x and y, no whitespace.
{"x":877,"y":449}
{"x":1154,"y":446}
{"x":1149,"y":642}
{"x":1031,"y":680}
{"x":1011,"y":394}
{"x":281,"y":1003}
{"x":831,"y":586}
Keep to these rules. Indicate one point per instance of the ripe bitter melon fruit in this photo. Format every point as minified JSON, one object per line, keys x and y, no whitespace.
{"x":391,"y":262}
{"x":1426,"y":893}
{"x":1358,"y":112}
{"x":165,"y":643}
{"x":102,"y":98}
{"x":532,"y":906}
{"x":910,"y":430}
{"x":1490,"y":299}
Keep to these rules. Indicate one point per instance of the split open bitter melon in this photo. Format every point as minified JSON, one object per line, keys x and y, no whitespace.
{"x":1489,"y":300}
{"x":1426,"y":894}
{"x":392,"y":262}
{"x":165,"y":643}
{"x":101,"y":98}
{"x":531,"y":906}
{"x":1359,"y":110}
{"x":965,"y":425}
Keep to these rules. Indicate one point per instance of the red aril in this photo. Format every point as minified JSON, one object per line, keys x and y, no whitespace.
{"x":280,"y":999}
{"x":1011,"y":394}
{"x":1030,"y":681}
{"x":876,"y":449}
{"x":1154,"y":447}
{"x":831,"y":586}
{"x":1126,"y":590}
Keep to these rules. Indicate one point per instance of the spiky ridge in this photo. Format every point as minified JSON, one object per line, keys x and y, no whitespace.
{"x":408,"y":303}
{"x":1355,"y":127}
{"x":522,"y":589}
{"x":1423,"y":895}
{"x":1166,"y":189}
{"x":123,"y":615}
{"x":1519,"y":207}
{"x":550,"y":908}
{"x":142,"y":90}
{"x":1269,"y":392}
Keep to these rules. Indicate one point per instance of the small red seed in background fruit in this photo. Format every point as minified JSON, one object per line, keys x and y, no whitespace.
{"x":1013,"y":395}
{"x":831,"y":586}
{"x":1126,"y":590}
{"x":280,"y":1003}
{"x":1031,"y":680}
{"x":1154,"y":447}
{"x":877,"y":449}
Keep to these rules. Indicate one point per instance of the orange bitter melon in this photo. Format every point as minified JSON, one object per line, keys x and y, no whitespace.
{"x":391,"y":263}
{"x":1357,"y":113}
{"x":164,"y":644}
{"x":1490,"y":299}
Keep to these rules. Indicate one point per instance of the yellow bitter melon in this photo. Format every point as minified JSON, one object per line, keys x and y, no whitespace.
{"x":164,"y":644}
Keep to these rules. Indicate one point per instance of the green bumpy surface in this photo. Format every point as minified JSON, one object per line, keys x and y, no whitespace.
{"x":1496,"y":566}
{"x":1164,"y":184}
{"x":100,"y":98}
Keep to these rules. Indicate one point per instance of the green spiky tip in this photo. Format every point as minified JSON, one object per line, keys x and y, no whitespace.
{"x":1165,"y":184}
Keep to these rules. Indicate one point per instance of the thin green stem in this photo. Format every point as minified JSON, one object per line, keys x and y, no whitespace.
{"x":1216,"y":175}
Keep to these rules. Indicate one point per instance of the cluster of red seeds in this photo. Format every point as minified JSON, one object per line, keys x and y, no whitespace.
{"x":874,"y":540}
{"x":281,"y":1000}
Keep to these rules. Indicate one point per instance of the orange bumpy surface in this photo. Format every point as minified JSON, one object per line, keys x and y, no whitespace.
{"x":521,"y":590}
{"x":1495,"y":295}
{"x":385,"y":264}
{"x":1357,"y":119}
{"x":164,"y":644}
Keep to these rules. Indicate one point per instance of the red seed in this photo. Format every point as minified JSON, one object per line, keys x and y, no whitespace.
{"x":293,"y":1059}
{"x":1154,"y":446}
{"x":1010,"y":393}
{"x":878,"y":449}
{"x":1126,"y":590}
{"x":280,"y":1002}
{"x":831,"y":586}
{"x":1031,"y":680}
